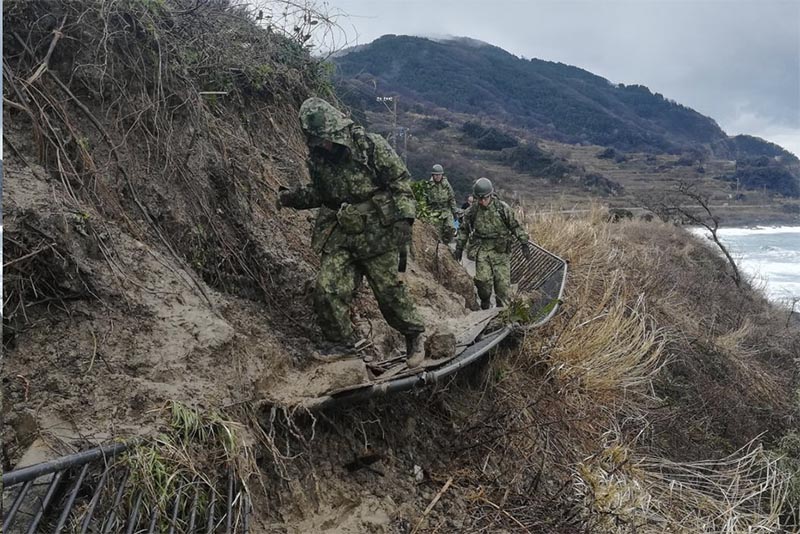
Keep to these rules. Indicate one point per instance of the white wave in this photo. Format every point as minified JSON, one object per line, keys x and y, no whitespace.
{"x":769,"y":255}
{"x":755,"y":231}
{"x":784,"y":256}
{"x":784,"y":292}
{"x":771,"y":269}
{"x":758,"y":230}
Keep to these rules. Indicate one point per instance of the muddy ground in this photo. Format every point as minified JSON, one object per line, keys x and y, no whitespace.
{"x":128,"y":327}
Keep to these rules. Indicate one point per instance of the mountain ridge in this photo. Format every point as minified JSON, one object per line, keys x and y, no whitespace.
{"x":553,"y":100}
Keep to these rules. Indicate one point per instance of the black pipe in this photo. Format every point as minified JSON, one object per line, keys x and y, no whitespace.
{"x":93,"y":503}
{"x":68,"y":505}
{"x":193,"y":509}
{"x":110,"y":519}
{"x":133,"y":520}
{"x":45,"y":502}
{"x":60,"y":464}
{"x":153,"y":520}
{"x":175,"y":509}
{"x":210,"y":528}
{"x":16,"y":504}
{"x":230,"y":502}
{"x":479,"y":349}
{"x":245,"y":513}
{"x":473,"y":353}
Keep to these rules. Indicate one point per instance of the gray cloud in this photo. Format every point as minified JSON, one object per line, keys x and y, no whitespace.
{"x":736,"y":61}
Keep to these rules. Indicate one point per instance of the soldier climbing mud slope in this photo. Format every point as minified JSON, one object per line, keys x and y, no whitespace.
{"x":366,"y":211}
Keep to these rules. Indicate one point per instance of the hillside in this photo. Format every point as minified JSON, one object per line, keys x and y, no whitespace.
{"x":518,"y":107}
{"x":552,"y":176}
{"x":151,"y":283}
{"x":553,"y":100}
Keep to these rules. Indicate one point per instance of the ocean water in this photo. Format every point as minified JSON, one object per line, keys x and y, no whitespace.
{"x":771,"y":255}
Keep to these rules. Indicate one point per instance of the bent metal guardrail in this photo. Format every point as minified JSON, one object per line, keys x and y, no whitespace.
{"x":542,"y":277}
{"x":84,"y":492}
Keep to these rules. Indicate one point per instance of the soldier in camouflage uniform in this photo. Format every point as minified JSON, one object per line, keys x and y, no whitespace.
{"x":489,"y":229}
{"x":442,"y":204}
{"x":366,"y":209}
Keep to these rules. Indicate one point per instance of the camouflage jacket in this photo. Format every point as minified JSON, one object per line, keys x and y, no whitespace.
{"x":441,"y":197}
{"x":492,"y":226}
{"x":372,"y":174}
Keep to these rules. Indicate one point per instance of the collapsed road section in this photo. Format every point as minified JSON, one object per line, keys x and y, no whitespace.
{"x":90,"y":491}
{"x":540,"y":280}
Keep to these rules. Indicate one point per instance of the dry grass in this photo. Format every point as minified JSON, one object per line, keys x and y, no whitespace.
{"x":128,"y":103}
{"x":196,"y":446}
{"x":609,"y":346}
{"x":650,"y":396}
{"x":198,"y":449}
{"x":623,"y":492}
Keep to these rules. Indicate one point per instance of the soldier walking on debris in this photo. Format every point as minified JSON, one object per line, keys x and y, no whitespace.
{"x":366,"y":211}
{"x":489,"y":226}
{"x":442,"y":203}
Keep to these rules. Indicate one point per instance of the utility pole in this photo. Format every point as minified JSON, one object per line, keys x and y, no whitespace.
{"x":405,"y":146}
{"x":393,"y":137}
{"x":393,"y":110}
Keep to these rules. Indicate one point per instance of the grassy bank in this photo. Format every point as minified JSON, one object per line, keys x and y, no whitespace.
{"x":657,"y":399}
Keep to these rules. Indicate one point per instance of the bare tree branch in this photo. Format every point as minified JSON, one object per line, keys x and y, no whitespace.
{"x":689,"y":205}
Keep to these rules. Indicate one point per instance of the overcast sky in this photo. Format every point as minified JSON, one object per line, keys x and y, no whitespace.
{"x":737,"y":61}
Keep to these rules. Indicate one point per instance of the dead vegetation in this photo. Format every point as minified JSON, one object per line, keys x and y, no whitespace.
{"x":626,"y":411}
{"x":656,"y":401}
{"x":646,"y":404}
{"x":128,"y":103}
{"x":689,"y":205}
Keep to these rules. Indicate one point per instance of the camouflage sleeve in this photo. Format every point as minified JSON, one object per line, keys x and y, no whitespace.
{"x":465,"y":229}
{"x":514,"y":226}
{"x":301,"y":198}
{"x":392,"y":174}
{"x":453,"y":205}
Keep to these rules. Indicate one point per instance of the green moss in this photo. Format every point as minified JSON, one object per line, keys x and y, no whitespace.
{"x":521,"y":311}
{"x":421,"y":189}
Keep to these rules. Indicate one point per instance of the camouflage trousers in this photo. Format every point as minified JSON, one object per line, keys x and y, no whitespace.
{"x":341,"y":273}
{"x":443,"y":222}
{"x":492,"y":270}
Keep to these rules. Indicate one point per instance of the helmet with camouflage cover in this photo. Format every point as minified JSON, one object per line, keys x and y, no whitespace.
{"x":482,"y":188}
{"x":321,"y":120}
{"x":437,"y":169}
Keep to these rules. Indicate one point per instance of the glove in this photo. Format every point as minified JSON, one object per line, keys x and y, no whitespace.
{"x":526,"y":250}
{"x":458,"y":253}
{"x":402,"y":230}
